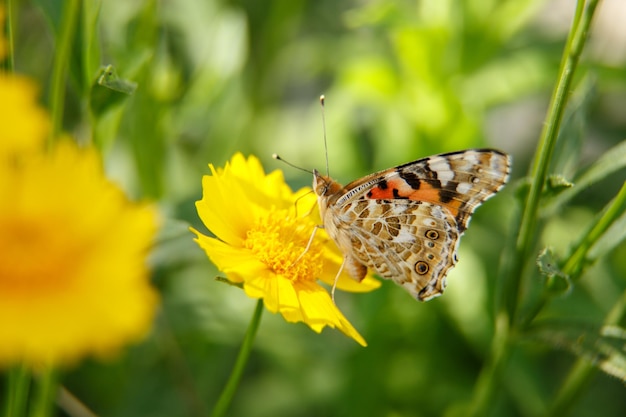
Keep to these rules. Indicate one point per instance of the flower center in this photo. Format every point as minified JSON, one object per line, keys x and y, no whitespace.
{"x":280,"y":242}
{"x":35,"y":258}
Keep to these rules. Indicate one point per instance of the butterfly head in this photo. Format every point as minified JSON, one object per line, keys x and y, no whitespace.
{"x":324,"y":186}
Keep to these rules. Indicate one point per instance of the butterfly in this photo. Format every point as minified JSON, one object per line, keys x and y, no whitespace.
{"x":405,"y":222}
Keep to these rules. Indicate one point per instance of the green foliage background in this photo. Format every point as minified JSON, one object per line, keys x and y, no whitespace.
{"x":402,"y":80}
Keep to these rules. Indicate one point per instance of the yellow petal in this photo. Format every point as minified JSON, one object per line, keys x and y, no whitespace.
{"x":235,"y":262}
{"x":225,"y":209}
{"x":319,"y":311}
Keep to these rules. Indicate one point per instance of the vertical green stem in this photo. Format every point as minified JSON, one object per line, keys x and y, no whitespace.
{"x":46,"y":393}
{"x":64,"y":40}
{"x":541,"y":163}
{"x":512,"y":271}
{"x":8,"y":24}
{"x":242,"y":358}
{"x":17,"y":392}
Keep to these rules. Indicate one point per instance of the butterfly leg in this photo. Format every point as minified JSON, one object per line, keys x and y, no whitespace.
{"x":308,"y":245}
{"x":332,"y":291}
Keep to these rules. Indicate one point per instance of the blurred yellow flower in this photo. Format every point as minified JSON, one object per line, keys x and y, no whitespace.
{"x":261,"y":242}
{"x":73,"y":278}
{"x":24,"y":125}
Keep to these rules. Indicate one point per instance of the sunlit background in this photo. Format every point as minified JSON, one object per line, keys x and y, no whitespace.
{"x":402,"y":80}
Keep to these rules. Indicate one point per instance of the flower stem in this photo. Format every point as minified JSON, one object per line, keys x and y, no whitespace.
{"x":17,"y":392}
{"x":61,"y":59}
{"x":512,"y":271}
{"x":242,"y":358}
{"x":46,"y":393}
{"x":7,"y":64}
{"x":543,"y":156}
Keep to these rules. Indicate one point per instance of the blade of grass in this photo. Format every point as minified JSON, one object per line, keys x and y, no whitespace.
{"x":582,"y":371}
{"x":61,"y":63}
{"x":17,"y":392}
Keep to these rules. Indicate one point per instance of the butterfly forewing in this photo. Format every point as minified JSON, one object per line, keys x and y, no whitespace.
{"x":405,"y":222}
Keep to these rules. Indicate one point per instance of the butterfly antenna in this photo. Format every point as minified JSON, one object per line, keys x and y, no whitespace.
{"x":278,"y":158}
{"x":322,"y":100}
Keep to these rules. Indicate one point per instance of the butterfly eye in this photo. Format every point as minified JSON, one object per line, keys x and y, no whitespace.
{"x":421,"y":267}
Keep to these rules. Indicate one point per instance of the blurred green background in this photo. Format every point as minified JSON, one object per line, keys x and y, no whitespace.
{"x":402,"y":80}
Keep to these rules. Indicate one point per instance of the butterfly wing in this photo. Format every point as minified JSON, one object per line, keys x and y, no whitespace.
{"x":459,"y":181}
{"x":405,"y":223}
{"x":410,"y":242}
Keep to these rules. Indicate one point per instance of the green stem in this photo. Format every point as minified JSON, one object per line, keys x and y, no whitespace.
{"x":489,"y":375}
{"x":46,"y":394}
{"x":8,"y":61}
{"x":242,"y":358}
{"x":541,"y":163}
{"x":64,"y":40}
{"x":577,"y":260}
{"x":17,"y":392}
{"x":512,"y":271}
{"x":582,"y":371}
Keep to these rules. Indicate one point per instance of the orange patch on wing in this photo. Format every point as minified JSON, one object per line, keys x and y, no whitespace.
{"x":430,"y":194}
{"x":426,"y":193}
{"x":378,"y":193}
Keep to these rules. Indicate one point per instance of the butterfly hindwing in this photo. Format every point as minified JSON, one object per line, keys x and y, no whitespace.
{"x":410,"y":242}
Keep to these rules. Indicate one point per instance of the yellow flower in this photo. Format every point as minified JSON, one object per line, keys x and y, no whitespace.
{"x":73,"y":279}
{"x":24,"y":126}
{"x":262,"y":231}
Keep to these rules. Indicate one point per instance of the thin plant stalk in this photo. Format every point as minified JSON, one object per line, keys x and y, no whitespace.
{"x":45,"y":394}
{"x":8,"y":24}
{"x":511,"y":272}
{"x":64,"y":40}
{"x":17,"y":392}
{"x":576,"y":262}
{"x":242,"y":359}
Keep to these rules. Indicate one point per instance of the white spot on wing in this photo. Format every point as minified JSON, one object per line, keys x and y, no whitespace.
{"x":404,"y":236}
{"x":463,"y":187}
{"x":443,"y":170}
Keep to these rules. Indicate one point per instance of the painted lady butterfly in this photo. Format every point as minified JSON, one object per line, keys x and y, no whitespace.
{"x":405,"y":222}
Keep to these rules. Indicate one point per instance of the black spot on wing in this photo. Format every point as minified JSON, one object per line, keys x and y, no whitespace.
{"x":397,"y":195}
{"x":382,"y":184}
{"x":410,"y":178}
{"x":445,"y":196}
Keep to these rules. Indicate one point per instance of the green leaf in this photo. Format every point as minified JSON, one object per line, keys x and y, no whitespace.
{"x":557,"y":282}
{"x":109,"y":90}
{"x":229,"y":282}
{"x":604,"y":347}
{"x":612,"y":161}
{"x":603,"y":223}
{"x":108,"y":78}
{"x":615,"y":235}
{"x":557,"y":184}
